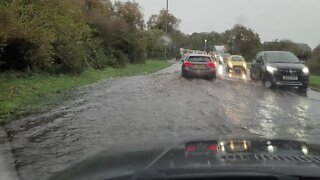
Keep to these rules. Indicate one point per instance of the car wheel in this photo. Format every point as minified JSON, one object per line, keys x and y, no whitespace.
{"x":266,"y":81}
{"x":252,"y":77}
{"x":303,"y":89}
{"x":268,"y":84}
{"x":211,"y":77}
{"x":227,"y":69}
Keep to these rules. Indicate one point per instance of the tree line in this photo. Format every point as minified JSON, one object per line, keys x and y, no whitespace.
{"x":74,"y":35}
{"x":71,"y":36}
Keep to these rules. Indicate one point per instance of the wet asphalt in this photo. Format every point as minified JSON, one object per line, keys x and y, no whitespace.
{"x":154,"y":107}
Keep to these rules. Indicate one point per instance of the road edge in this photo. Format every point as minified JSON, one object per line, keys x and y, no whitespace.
{"x":7,"y":167}
{"x":315,"y":89}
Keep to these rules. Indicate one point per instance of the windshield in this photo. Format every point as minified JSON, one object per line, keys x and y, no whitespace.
{"x":281,"y":57}
{"x":81,"y":77}
{"x":199,"y":59}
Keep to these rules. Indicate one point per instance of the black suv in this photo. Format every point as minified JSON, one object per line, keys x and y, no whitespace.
{"x":279,"y":68}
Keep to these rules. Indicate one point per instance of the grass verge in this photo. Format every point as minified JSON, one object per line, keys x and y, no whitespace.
{"x":315,"y":81}
{"x":24,"y":93}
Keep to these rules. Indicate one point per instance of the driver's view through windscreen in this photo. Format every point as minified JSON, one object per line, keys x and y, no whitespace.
{"x":159,"y":89}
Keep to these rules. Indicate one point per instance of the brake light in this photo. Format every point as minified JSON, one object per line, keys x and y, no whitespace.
{"x":213,"y":147}
{"x":187,"y":64}
{"x":211,"y":65}
{"x":191,"y":148}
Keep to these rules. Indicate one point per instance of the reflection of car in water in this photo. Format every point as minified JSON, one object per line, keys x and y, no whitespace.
{"x":198,"y":65}
{"x":240,"y":158}
{"x":237,"y":64}
{"x":279,"y":68}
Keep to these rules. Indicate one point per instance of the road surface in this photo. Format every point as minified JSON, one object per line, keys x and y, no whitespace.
{"x":154,"y":107}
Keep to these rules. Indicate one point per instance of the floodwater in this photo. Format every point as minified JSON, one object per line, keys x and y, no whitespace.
{"x":152,"y":107}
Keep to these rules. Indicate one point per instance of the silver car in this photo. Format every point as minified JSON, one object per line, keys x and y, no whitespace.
{"x":199,"y":65}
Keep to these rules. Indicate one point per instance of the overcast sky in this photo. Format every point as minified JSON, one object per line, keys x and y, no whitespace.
{"x":298,"y":20}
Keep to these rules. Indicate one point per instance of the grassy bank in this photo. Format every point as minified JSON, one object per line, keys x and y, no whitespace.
{"x":23,"y":92}
{"x":315,"y":81}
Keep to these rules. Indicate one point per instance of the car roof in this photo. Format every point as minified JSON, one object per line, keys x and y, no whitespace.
{"x":203,"y":55}
{"x":275,"y":51}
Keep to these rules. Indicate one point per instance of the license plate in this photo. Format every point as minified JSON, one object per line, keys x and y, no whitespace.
{"x":237,"y":70}
{"x":291,"y":78}
{"x":200,"y":66}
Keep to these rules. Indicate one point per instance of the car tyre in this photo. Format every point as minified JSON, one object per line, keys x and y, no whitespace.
{"x":266,"y":81}
{"x":252,"y":77}
{"x":303,"y":89}
{"x":212,"y":78}
{"x":268,"y":84}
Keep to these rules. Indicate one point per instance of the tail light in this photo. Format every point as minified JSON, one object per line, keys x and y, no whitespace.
{"x":211,"y":65}
{"x":191,"y":148}
{"x":213,"y":147}
{"x":187,"y":64}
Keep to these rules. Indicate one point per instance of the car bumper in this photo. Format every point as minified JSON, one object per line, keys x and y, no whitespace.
{"x":278,"y":80}
{"x":237,"y":69}
{"x":196,"y":73}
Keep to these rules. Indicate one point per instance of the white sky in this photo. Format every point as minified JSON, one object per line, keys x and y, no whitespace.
{"x":297,"y":20}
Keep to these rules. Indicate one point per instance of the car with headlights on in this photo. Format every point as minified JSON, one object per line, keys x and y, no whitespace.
{"x":279,"y":68}
{"x":198,"y":65}
{"x":236,"y":64}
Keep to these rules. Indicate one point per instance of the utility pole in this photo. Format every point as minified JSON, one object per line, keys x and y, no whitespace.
{"x":167,"y":12}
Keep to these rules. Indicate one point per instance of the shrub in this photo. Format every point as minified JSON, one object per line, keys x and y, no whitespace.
{"x":314,"y":67}
{"x":71,"y":58}
{"x":122,"y":59}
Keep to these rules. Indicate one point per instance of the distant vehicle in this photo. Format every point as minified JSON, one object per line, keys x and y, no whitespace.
{"x":227,"y":55}
{"x":222,"y":56}
{"x":236,"y":64}
{"x":199,"y":65}
{"x":279,"y":68}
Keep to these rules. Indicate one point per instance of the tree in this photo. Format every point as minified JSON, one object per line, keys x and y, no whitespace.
{"x":242,"y":40}
{"x":159,"y":21}
{"x":130,"y":13}
{"x":69,"y":36}
{"x":280,"y":45}
{"x":154,"y":44}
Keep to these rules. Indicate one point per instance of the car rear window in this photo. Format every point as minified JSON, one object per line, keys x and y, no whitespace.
{"x":237,"y":58}
{"x":281,"y":57}
{"x":199,"y":59}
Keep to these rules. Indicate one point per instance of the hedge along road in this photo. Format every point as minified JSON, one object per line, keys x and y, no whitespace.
{"x":154,"y":107}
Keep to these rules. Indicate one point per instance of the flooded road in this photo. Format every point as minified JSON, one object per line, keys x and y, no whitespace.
{"x":154,"y":107}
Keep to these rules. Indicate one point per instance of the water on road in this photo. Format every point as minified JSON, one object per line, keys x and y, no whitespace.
{"x":154,"y":107}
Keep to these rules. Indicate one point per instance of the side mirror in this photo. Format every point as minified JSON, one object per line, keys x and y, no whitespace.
{"x":182,"y":60}
{"x":259,"y":61}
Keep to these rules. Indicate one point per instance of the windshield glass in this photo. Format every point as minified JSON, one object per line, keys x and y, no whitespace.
{"x":80,"y":77}
{"x":199,"y":59}
{"x":281,"y":57}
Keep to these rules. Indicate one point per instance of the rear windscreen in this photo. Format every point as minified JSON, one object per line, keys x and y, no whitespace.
{"x":237,"y":58}
{"x":199,"y":59}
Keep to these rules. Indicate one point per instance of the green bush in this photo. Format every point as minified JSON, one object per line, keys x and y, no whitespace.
{"x":314,"y":67}
{"x":122,"y":59}
{"x":70,"y":36}
{"x":71,"y":58}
